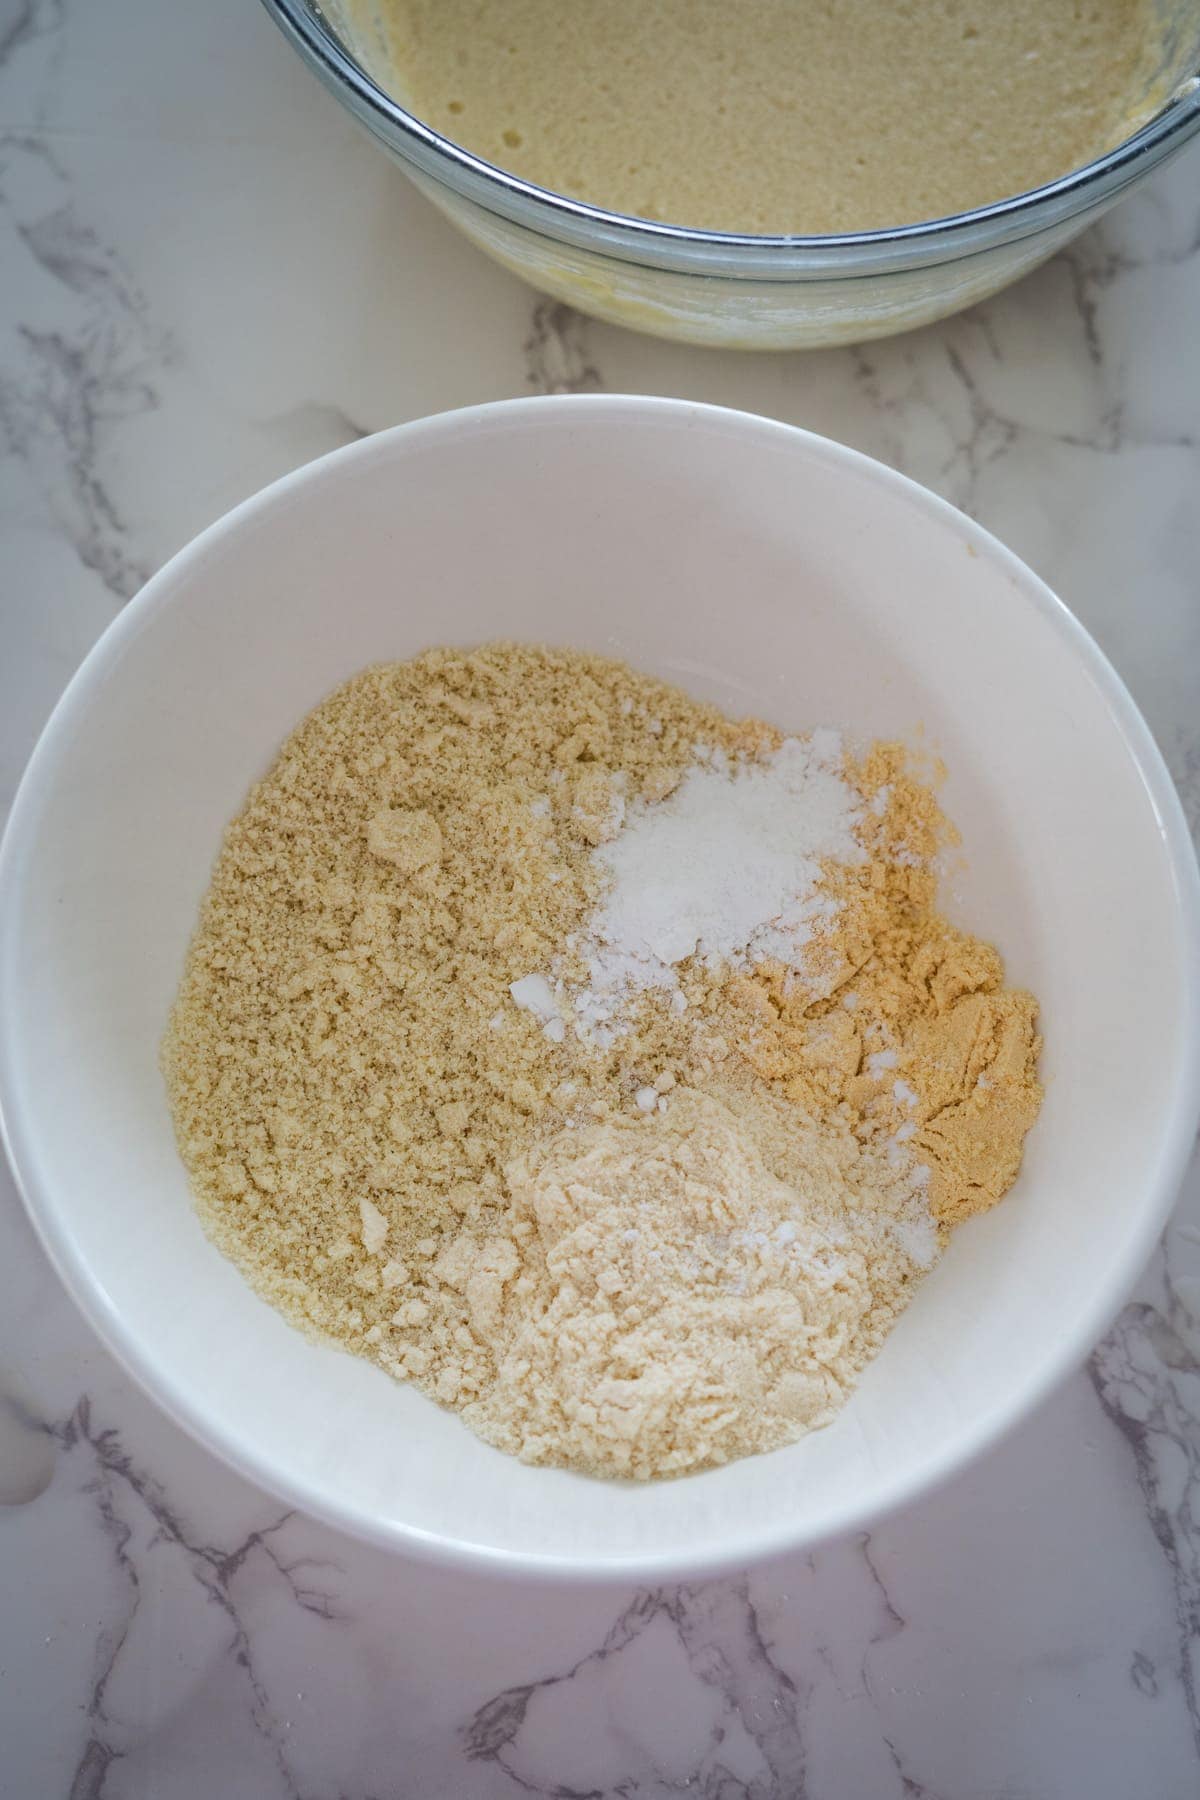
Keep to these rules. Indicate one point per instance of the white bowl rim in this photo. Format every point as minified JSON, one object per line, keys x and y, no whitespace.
{"x":51,"y":1218}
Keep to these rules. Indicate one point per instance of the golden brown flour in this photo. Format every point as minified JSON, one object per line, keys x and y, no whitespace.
{"x":778,"y":115}
{"x":633,"y":1257}
{"x":904,"y":1022}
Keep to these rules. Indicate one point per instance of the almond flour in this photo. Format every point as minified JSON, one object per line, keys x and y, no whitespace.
{"x":635,"y":1250}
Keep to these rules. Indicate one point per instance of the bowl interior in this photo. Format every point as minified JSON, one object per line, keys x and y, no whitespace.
{"x":767,"y":571}
{"x":347,"y":43}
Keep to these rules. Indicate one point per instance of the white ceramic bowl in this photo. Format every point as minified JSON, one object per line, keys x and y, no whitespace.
{"x":765,"y":570}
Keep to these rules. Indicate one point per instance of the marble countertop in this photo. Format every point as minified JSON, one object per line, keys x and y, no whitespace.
{"x":207,"y":276}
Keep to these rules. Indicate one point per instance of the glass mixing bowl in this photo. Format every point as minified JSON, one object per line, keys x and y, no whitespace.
{"x":743,"y":291}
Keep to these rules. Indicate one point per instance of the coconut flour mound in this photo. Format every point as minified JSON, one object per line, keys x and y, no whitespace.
{"x":596,"y":1062}
{"x":660,"y":1301}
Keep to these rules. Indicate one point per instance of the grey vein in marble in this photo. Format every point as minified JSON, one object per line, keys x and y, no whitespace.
{"x":24,"y":21}
{"x":746,"y":1739}
{"x":1147,"y":1379}
{"x":136,"y":1516}
{"x":892,"y":1624}
{"x":84,"y":355}
{"x":557,"y":352}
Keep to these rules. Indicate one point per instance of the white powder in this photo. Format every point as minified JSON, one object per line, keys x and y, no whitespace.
{"x":726,"y":869}
{"x":533,"y":994}
{"x":917,"y":1238}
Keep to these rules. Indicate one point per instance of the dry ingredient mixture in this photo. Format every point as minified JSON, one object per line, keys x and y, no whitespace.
{"x":598,"y":1063}
{"x":776,"y":115}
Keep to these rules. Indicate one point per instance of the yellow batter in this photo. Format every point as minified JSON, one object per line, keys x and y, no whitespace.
{"x":779,"y":115}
